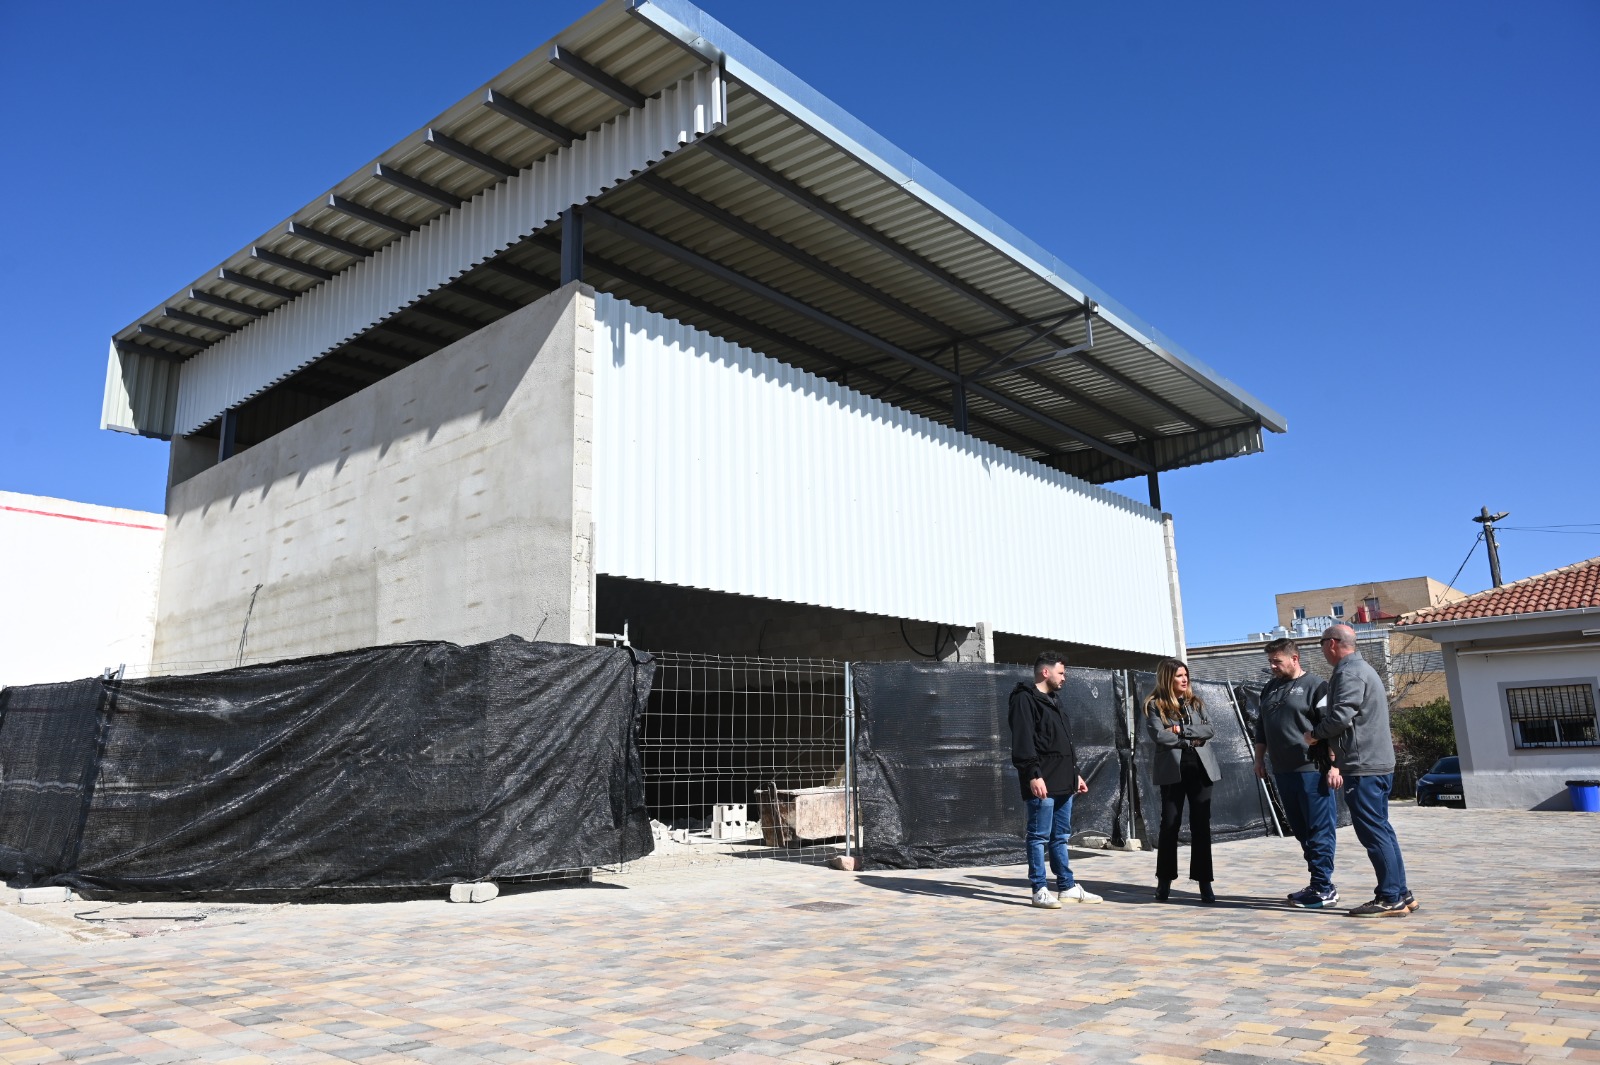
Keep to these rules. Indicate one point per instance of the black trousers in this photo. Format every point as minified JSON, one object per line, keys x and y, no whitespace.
{"x":1195,"y":787}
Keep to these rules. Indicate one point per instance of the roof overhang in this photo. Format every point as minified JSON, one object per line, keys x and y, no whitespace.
{"x":715,"y":187}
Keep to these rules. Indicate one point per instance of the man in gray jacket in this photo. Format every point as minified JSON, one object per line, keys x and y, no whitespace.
{"x":1356,"y":722}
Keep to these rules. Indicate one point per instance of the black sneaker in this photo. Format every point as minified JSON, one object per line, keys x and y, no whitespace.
{"x":1315,"y":898}
{"x":1380,"y":908}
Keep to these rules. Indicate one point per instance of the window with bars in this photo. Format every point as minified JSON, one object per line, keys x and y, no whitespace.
{"x":1555,"y":715}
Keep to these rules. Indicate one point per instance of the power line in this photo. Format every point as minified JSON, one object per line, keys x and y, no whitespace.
{"x":1452,"y":581}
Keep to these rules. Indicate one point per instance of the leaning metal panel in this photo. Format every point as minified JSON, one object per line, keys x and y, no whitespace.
{"x":299,"y":332}
{"x":716,"y":467}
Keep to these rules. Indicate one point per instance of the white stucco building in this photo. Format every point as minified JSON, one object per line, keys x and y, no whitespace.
{"x":1523,"y":665}
{"x":79,"y":586}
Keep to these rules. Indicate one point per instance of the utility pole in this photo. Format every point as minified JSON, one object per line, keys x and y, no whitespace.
{"x":1487,"y":520}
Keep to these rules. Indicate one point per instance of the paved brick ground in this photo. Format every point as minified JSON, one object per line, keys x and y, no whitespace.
{"x":1502,"y":964}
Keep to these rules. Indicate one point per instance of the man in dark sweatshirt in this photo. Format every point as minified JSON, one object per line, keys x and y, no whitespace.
{"x":1291,"y":706}
{"x":1047,"y":770}
{"x":1356,"y":720}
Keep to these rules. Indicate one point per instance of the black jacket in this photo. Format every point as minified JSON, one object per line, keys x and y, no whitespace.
{"x":1041,"y":742}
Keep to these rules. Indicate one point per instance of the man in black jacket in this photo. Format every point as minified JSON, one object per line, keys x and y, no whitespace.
{"x":1047,"y":769}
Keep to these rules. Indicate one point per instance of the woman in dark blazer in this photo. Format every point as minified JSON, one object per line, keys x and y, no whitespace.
{"x":1185,"y":768}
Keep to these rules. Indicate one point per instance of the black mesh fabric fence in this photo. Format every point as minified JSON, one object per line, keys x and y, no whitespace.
{"x":409,"y":765}
{"x":1241,"y":806}
{"x":933,"y":760}
{"x":49,"y":734}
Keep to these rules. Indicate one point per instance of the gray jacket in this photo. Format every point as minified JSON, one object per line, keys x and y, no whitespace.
{"x":1356,"y":720}
{"x":1166,"y":761}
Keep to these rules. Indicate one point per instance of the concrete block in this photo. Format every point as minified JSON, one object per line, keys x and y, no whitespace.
{"x":730,"y":829}
{"x":848,"y":863}
{"x":732,"y":811}
{"x":32,"y":895}
{"x":474,"y":892}
{"x":1133,"y":845}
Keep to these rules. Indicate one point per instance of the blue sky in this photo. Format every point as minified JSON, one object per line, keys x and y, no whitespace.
{"x":1379,"y":218}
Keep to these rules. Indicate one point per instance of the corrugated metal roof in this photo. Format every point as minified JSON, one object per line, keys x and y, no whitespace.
{"x":869,"y":269}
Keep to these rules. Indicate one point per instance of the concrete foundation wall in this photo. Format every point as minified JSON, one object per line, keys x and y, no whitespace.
{"x":78,"y":584}
{"x":448,"y":501}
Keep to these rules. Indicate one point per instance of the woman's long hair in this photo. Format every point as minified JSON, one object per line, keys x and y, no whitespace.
{"x":1165,"y":702}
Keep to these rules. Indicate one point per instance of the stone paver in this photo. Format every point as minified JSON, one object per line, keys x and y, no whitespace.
{"x":1501,"y":964}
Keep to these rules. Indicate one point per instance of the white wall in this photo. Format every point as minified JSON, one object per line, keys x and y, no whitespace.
{"x":1496,"y":774}
{"x":720,"y":468}
{"x":77,"y":588}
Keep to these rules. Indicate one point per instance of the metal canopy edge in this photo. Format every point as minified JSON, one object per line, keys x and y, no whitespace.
{"x":697,"y":31}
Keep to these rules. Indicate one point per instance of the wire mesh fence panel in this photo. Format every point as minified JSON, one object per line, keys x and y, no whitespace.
{"x":744,"y":758}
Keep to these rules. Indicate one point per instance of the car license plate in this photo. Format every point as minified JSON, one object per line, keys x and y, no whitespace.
{"x":1449,"y":798}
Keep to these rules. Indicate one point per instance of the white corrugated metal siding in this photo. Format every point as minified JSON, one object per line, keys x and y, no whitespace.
{"x":719,"y":468}
{"x":141,"y":394}
{"x":319,"y":321}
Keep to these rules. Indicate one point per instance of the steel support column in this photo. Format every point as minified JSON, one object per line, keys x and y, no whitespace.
{"x":571,"y":245}
{"x":228,"y":435}
{"x":1153,"y":483}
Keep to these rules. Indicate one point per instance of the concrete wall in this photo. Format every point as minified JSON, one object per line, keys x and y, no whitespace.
{"x":448,"y":501}
{"x":78,"y":584}
{"x":1495,"y":773}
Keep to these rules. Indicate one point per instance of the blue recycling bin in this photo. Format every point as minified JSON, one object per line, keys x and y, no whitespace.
{"x":1585,"y":795}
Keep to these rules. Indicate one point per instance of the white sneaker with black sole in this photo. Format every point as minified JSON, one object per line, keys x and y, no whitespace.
{"x":1044,"y":900}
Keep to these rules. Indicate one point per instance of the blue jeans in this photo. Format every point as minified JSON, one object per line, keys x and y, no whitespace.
{"x":1313,"y":818}
{"x":1368,"y":799}
{"x":1049,"y":825}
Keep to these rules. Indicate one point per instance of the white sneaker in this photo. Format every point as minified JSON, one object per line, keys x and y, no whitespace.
{"x":1044,"y":900}
{"x":1077,"y":893}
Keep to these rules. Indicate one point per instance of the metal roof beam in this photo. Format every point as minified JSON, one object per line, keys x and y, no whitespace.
{"x":650,"y":284}
{"x":592,"y":76}
{"x":127,"y":347}
{"x":416,"y":186}
{"x":317,"y":236}
{"x":272,"y":258}
{"x":531,"y":278}
{"x":467,"y":154}
{"x":777,"y":182}
{"x":197,"y":319}
{"x":202,"y":296}
{"x":728,"y":220}
{"x":501,"y":103}
{"x":1034,"y":333}
{"x":450,"y":318}
{"x":607,"y":220}
{"x":415,"y":336}
{"x":628,"y":230}
{"x":727,"y":153}
{"x":1008,"y":368}
{"x":174,"y":338}
{"x":234,"y":277}
{"x":367,"y":214}
{"x":477,"y":295}
{"x":1096,"y":366}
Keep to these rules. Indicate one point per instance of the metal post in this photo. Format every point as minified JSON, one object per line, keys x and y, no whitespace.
{"x":571,"y":245}
{"x":959,"y":395}
{"x":1153,"y":485}
{"x":849,"y":761}
{"x":228,"y":435}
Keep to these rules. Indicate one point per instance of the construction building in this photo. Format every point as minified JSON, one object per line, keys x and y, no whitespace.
{"x":646,"y":332}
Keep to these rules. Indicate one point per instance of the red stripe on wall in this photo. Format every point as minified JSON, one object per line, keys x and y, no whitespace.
{"x":75,"y":517}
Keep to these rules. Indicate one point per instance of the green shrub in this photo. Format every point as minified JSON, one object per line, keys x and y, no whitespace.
{"x":1424,"y":734}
